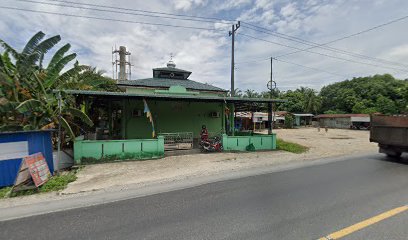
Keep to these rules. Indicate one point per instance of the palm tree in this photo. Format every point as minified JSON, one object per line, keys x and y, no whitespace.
{"x":27,"y":86}
{"x":91,"y":78}
{"x":249,"y":93}
{"x":237,"y":92}
{"x":312,"y":101}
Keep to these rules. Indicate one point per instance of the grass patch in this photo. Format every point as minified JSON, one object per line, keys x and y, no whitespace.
{"x":290,"y":146}
{"x":141,"y":156}
{"x":60,"y":182}
{"x":55,"y":183}
{"x":4,"y":192}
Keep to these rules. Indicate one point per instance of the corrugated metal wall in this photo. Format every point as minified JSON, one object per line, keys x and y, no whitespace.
{"x":335,"y":122}
{"x":37,"y":141}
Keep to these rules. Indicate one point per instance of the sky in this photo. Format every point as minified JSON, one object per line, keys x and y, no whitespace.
{"x":207,"y":51}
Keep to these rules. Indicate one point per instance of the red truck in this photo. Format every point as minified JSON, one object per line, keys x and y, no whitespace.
{"x":391,"y":134}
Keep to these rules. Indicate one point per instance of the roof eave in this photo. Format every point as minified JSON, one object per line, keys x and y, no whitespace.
{"x":140,"y":85}
{"x":164,"y":96}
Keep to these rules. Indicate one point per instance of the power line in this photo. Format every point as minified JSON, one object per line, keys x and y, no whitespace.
{"x":312,"y":68}
{"x":296,"y":64}
{"x":351,"y":35}
{"x":190,"y":27}
{"x":111,"y":19}
{"x":144,"y":11}
{"x":122,"y":12}
{"x":316,"y":45}
{"x":280,"y":60}
{"x":322,"y":54}
{"x":203,"y":20}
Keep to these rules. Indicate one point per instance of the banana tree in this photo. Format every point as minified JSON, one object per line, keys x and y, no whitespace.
{"x":27,"y":86}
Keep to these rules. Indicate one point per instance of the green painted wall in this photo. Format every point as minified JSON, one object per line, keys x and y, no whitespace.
{"x":172,"y":116}
{"x":239,"y":143}
{"x":99,"y":150}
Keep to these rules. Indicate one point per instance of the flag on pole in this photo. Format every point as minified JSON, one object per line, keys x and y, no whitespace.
{"x":149,"y":116}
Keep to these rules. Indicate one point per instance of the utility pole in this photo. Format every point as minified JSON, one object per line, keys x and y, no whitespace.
{"x":271,"y":76}
{"x":232,"y":34}
{"x":271,"y":86}
{"x":59,"y":132}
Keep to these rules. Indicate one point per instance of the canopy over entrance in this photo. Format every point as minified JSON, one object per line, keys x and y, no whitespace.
{"x":241,"y":104}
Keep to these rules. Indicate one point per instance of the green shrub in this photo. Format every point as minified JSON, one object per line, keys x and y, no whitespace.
{"x":289,"y":121}
{"x":290,"y":147}
{"x":141,"y":156}
{"x":250,"y":147}
{"x":4,"y":192}
{"x":55,"y":183}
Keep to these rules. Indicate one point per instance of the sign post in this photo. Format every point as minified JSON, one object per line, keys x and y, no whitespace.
{"x":38,"y":168}
{"x":33,"y":169}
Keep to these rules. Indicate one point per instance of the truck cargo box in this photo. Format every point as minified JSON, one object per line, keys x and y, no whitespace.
{"x":391,"y":133}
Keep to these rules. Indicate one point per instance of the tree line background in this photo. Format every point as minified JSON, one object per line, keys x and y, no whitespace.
{"x":372,"y":94}
{"x":28,"y":87}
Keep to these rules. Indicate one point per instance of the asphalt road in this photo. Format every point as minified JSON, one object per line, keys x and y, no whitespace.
{"x":305,"y":203}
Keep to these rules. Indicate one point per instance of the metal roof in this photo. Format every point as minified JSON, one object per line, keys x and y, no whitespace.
{"x":168,"y":82}
{"x":28,"y":131}
{"x":303,"y":114}
{"x":342,"y":115}
{"x":170,"y":96}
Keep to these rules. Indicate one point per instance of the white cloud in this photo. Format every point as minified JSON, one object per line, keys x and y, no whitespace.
{"x":187,"y":4}
{"x":399,"y":51}
{"x":264,"y":4}
{"x":207,"y":53}
{"x":231,"y":4}
{"x":289,"y":10}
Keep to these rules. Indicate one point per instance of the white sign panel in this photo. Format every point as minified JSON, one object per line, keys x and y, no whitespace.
{"x":13,"y":150}
{"x":360,"y":119}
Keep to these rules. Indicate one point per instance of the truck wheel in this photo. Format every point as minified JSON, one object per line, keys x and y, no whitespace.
{"x":394,"y":155}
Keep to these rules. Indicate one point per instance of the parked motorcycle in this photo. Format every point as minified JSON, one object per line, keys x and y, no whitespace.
{"x":211,"y":145}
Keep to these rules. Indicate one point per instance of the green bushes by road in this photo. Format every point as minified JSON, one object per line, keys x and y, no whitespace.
{"x":290,"y":146}
{"x":55,"y":183}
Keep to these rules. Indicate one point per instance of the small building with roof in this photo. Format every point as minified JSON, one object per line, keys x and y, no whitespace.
{"x":163,"y":112}
{"x":245,"y":121}
{"x":345,"y":121}
{"x":302,"y":119}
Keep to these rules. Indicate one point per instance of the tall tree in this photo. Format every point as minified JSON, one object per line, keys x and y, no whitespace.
{"x":27,"y":86}
{"x":237,"y":92}
{"x":312,"y":101}
{"x":378,"y":93}
{"x":249,"y":93}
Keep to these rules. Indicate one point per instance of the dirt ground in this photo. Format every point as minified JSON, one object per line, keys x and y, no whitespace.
{"x":335,"y":142}
{"x":116,"y":176}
